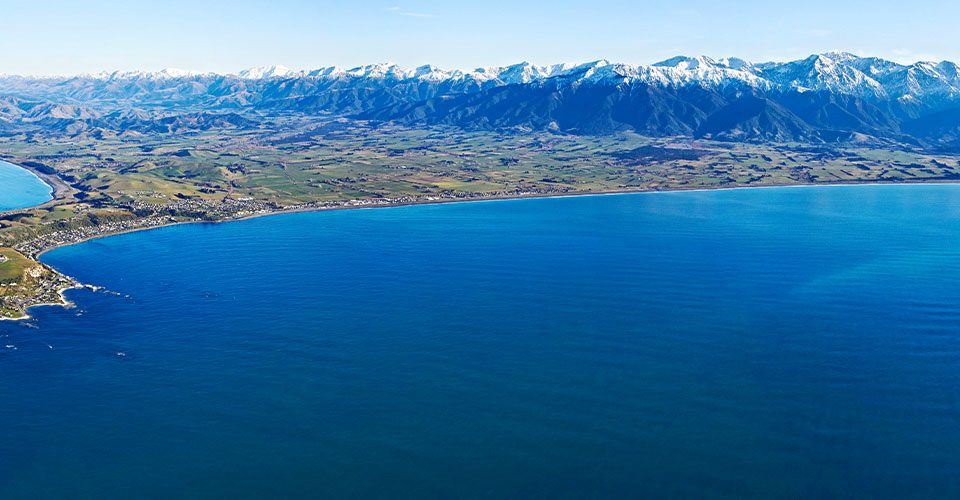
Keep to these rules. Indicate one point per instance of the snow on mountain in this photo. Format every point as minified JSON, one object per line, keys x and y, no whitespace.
{"x":820,"y":96}
{"x":431,"y":73}
{"x":264,"y":72}
{"x":705,"y":71}
{"x":381,"y":71}
{"x":839,"y":72}
{"x":523,"y":73}
{"x":831,"y":71}
{"x":328,"y":72}
{"x":176,"y":73}
{"x":164,"y":74}
{"x":922,"y":80}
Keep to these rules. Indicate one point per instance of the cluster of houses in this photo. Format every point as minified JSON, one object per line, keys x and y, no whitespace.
{"x":44,"y":288}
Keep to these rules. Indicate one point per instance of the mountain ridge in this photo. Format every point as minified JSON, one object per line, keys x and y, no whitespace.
{"x":826,"y":71}
{"x":818,"y":98}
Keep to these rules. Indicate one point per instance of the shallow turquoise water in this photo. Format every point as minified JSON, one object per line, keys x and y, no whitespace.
{"x":760,"y":343}
{"x":19,"y":188}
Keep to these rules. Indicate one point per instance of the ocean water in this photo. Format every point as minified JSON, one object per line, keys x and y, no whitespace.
{"x":766,"y":343}
{"x":19,"y":188}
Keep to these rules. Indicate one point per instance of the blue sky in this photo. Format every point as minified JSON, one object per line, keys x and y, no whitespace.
{"x":56,"y":37}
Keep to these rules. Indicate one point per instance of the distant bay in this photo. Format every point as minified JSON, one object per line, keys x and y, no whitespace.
{"x":20,"y":188}
{"x":767,"y":343}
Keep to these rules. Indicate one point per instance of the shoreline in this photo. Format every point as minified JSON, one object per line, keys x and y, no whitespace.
{"x":451,"y":201}
{"x":680,"y":189}
{"x":64,"y":302}
{"x":53,"y":191}
{"x":59,"y":189}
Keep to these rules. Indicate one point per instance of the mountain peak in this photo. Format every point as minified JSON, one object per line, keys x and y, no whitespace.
{"x":703,"y":62}
{"x":834,"y":71}
{"x":261,"y":72}
{"x":687,"y":62}
{"x":838,"y":56}
{"x":379,"y":70}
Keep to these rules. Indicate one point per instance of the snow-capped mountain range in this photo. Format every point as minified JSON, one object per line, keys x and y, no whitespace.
{"x":828,"y":96}
{"x":833,"y":71}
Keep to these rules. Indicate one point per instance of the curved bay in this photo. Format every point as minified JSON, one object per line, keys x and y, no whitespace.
{"x":768,"y":343}
{"x":20,"y":188}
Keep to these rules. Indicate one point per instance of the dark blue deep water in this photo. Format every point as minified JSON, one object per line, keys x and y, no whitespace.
{"x":798,"y":342}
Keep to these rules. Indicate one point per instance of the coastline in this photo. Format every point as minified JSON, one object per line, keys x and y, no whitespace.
{"x":64,"y":302}
{"x":450,"y":201}
{"x":357,"y":205}
{"x":59,"y":189}
{"x":38,"y":181}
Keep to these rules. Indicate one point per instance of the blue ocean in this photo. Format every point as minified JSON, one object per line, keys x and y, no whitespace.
{"x":19,"y":188}
{"x":759,"y":343}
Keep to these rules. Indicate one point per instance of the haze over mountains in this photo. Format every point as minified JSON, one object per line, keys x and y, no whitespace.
{"x":832,"y":97}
